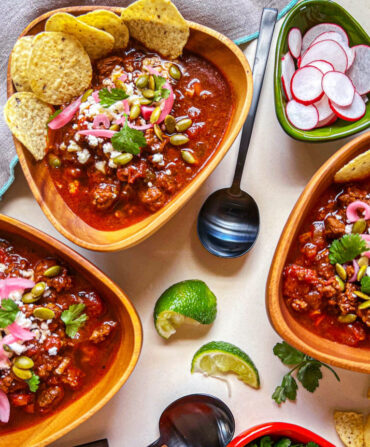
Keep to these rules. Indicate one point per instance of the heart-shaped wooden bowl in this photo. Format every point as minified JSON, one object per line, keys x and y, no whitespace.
{"x":210,"y":44}
{"x":128,"y":351}
{"x":353,"y":358}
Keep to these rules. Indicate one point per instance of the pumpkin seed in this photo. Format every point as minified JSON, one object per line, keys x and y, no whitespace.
{"x":24,"y":374}
{"x":7,"y":348}
{"x":362,"y":295}
{"x":341,"y":271}
{"x":54,"y":161}
{"x":361,"y":272}
{"x":24,"y":362}
{"x":148,"y":93}
{"x":29,"y":298}
{"x":170,"y":124}
{"x":363,"y":261}
{"x":154,"y":117}
{"x":53,"y":271}
{"x":158,"y":132}
{"x":86,"y":94}
{"x":114,"y":127}
{"x":341,"y":283}
{"x":43,"y":313}
{"x":135,"y":111}
{"x":151,"y":83}
{"x":123,"y":159}
{"x":179,"y":139}
{"x":364,"y":305}
{"x":174,"y":72}
{"x":38,"y":289}
{"x":145,"y":101}
{"x":359,"y":226}
{"x":183,"y":124}
{"x":349,"y":318}
{"x":142,"y":81}
{"x":188,"y":157}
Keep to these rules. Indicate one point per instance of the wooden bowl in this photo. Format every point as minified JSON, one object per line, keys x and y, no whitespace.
{"x":204,"y":41}
{"x":353,"y":358}
{"x":303,"y":16}
{"x":69,"y":417}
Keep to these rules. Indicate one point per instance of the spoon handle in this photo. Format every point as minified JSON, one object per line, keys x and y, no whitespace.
{"x":267,"y":25}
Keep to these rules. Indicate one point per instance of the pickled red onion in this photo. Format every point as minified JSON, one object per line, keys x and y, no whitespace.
{"x":19,"y":332}
{"x":146,"y":112}
{"x":4,"y":407}
{"x":7,"y":340}
{"x":98,"y":133}
{"x":352,"y":209}
{"x":367,"y":239}
{"x":143,"y":127}
{"x":9,"y":285}
{"x":102,"y":118}
{"x":66,"y":115}
{"x":95,"y":95}
{"x":123,"y":77}
{"x":356,"y":269}
{"x":126,"y":107}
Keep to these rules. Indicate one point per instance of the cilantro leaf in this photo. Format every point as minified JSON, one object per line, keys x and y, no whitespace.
{"x":365,"y":284}
{"x":8,"y":312}
{"x":73,"y":318}
{"x":309,"y":375}
{"x":287,"y":390}
{"x":160,"y":92}
{"x":283,"y":442}
{"x":159,"y":81}
{"x":312,"y":444}
{"x":108,"y":98}
{"x":54,"y":115}
{"x":266,"y":441}
{"x":346,"y":248}
{"x":279,"y":395}
{"x":128,"y":140}
{"x":33,"y":382}
{"x":287,"y":354}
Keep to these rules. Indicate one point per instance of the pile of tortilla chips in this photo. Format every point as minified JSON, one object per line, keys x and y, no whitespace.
{"x":351,"y":428}
{"x":55,"y":67}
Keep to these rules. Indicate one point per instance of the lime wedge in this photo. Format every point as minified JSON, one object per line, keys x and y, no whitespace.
{"x":189,"y":302}
{"x":220,"y":357}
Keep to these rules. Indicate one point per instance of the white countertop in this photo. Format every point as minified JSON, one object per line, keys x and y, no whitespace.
{"x":277,"y":170}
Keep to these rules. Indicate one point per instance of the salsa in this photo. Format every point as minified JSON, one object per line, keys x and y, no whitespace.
{"x":62,"y":338}
{"x":110,"y":187}
{"x":326,"y":294}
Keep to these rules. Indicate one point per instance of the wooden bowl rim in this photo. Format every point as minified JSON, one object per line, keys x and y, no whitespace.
{"x":273,"y":286}
{"x":171,"y":208}
{"x":68,"y":253}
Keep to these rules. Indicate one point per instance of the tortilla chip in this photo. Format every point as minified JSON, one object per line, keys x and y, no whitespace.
{"x":356,"y":169}
{"x":367,"y":432}
{"x":18,"y":63}
{"x":96,"y":42}
{"x":109,"y":22}
{"x":158,"y":25}
{"x":59,"y":69}
{"x":27,"y":116}
{"x":350,"y":428}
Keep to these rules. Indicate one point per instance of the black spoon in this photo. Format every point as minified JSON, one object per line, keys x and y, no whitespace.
{"x":197,"y":420}
{"x":228,"y":222}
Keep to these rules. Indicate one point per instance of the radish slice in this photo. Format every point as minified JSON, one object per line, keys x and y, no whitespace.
{"x":315,"y":31}
{"x":9,"y":285}
{"x":353,"y":112}
{"x":353,"y":208}
{"x":287,"y":72}
{"x":328,"y":121}
{"x":146,"y":112}
{"x":95,"y":95}
{"x":98,"y":133}
{"x":306,"y":85}
{"x":102,"y":118}
{"x":359,"y":73}
{"x":324,"y":109}
{"x":4,"y":407}
{"x":322,"y":66}
{"x":329,"y":51}
{"x":66,"y":115}
{"x":334,"y":35}
{"x":19,"y":332}
{"x":301,"y":116}
{"x":338,"y":88}
{"x":295,"y":42}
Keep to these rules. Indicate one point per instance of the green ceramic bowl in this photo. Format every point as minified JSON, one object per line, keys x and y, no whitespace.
{"x":305,"y":15}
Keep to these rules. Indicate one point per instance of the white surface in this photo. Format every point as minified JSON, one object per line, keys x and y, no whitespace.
{"x":277,"y":169}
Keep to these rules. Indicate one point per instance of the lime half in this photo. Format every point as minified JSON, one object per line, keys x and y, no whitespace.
{"x":220,"y":357}
{"x":188,"y":301}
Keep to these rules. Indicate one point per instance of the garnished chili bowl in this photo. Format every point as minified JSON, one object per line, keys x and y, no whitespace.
{"x":278,"y":430}
{"x":105,"y":217}
{"x":74,"y":341}
{"x":314,"y":296}
{"x":304,"y":16}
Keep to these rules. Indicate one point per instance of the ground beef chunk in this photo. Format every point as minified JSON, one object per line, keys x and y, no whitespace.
{"x":93,"y":303}
{"x":104,"y":67}
{"x":334,"y":228}
{"x":347,"y":301}
{"x":167,"y":183}
{"x":21,"y":399}
{"x":102,"y":332}
{"x":153,"y":198}
{"x":60,"y":282}
{"x":364,"y":314}
{"x":49,"y":398}
{"x":73,"y":377}
{"x":104,"y":195}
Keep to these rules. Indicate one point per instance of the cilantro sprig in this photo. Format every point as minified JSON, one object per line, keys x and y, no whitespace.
{"x":346,"y":248}
{"x":8,"y":312}
{"x":365,"y":284}
{"x":110,"y":97}
{"x":266,"y":441}
{"x":33,"y":382}
{"x":73,"y":318}
{"x":308,"y":372}
{"x":128,"y":140}
{"x":160,"y":92}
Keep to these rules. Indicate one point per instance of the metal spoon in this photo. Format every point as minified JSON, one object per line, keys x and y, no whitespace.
{"x":228,"y":222}
{"x":197,"y":420}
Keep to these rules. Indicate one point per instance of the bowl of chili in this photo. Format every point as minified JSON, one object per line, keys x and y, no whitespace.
{"x":313,"y":321}
{"x":77,"y":362}
{"x":216,"y":90}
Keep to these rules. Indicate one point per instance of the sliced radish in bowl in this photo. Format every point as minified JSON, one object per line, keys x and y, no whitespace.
{"x":301,"y":116}
{"x":287,"y":72}
{"x":359,"y":73}
{"x":338,"y":88}
{"x":295,"y":42}
{"x":306,"y":85}
{"x":324,"y":109}
{"x":334,"y":35}
{"x":328,"y":121}
{"x":353,"y":112}
{"x":322,"y":66}
{"x":316,"y":30}
{"x":329,"y":51}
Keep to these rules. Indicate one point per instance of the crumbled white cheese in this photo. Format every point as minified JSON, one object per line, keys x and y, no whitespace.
{"x":158,"y":158}
{"x":62,"y":146}
{"x":74,"y":126}
{"x":107,"y":147}
{"x":168,"y":171}
{"x":348,"y":228}
{"x":27,"y":273}
{"x":77,"y":136}
{"x":111,"y":164}
{"x":73,"y":147}
{"x":23,"y":321}
{"x":16,"y":296}
{"x":4,"y":364}
{"x":100,"y":166}
{"x":93,"y":141}
{"x":129,"y":89}
{"x":83,"y":156}
{"x":115,"y":154}
{"x":368,"y":271}
{"x":53,"y":351}
{"x":150,"y":184}
{"x":18,"y":348}
{"x":2,"y":268}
